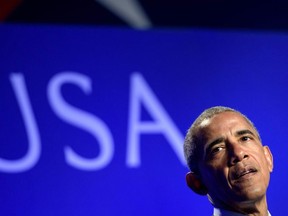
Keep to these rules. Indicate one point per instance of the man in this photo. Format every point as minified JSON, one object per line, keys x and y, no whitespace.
{"x":228,"y":162}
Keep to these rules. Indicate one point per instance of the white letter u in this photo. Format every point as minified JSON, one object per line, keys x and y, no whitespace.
{"x":33,"y":153}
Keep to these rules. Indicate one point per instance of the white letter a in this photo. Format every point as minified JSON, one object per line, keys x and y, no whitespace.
{"x":140,"y":92}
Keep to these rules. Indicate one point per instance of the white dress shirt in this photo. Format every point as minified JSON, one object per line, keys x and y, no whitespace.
{"x":222,"y":212}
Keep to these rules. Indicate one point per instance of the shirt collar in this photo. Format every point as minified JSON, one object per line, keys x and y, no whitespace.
{"x":222,"y":212}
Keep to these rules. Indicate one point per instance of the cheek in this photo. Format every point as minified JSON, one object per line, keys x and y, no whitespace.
{"x":266,"y":169}
{"x":263,"y":166}
{"x":215,"y":177}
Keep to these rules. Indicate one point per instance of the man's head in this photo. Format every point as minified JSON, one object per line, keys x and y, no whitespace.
{"x":224,"y":152}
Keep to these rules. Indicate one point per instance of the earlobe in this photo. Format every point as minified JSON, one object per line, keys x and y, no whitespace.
{"x":194,"y":182}
{"x":269,"y":157}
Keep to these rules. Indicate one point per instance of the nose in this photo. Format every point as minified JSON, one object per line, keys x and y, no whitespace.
{"x":237,"y":152}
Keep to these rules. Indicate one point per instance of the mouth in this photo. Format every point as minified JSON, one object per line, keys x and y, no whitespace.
{"x":244,"y":172}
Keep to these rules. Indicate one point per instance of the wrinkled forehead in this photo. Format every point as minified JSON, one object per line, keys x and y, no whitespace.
{"x":222,"y":124}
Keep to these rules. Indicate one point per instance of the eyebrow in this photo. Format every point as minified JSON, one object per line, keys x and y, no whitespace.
{"x":244,"y":132}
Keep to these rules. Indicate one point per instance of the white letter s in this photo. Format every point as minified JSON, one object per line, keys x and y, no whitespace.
{"x":81,"y":119}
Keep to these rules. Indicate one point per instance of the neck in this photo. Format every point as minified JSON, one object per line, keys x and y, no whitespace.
{"x":252,"y":208}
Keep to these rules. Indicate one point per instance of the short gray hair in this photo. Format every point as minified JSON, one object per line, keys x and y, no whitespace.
{"x":192,"y":140}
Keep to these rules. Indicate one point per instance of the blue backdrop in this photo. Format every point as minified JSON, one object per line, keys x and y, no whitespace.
{"x":93,"y":119}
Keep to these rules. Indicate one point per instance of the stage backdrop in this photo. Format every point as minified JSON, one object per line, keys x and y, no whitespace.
{"x":92,"y":119}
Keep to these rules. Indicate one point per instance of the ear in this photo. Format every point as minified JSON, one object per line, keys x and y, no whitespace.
{"x":269,"y":157}
{"x":194,"y":182}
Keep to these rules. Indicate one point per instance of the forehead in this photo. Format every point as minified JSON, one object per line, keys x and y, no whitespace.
{"x":223,"y":123}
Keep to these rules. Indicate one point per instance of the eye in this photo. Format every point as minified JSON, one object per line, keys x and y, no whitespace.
{"x":246,"y":138}
{"x":214,"y":152}
{"x":216,"y":149}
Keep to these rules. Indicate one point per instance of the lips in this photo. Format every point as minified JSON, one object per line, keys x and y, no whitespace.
{"x":241,"y":172}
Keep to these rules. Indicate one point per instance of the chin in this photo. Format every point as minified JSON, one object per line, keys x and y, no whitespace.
{"x":251,"y":194}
